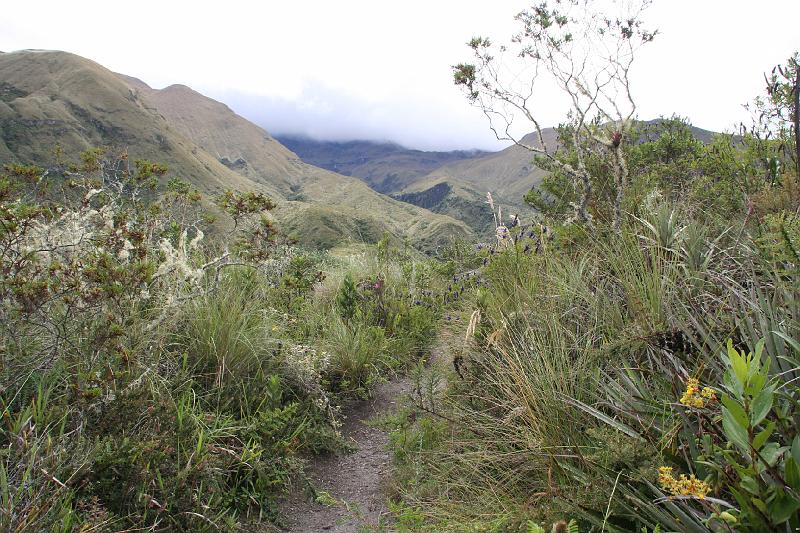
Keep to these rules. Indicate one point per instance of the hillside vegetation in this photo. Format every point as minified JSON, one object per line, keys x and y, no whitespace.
{"x":623,"y":355}
{"x":630,"y":358}
{"x":59,"y":100}
{"x":641,"y":380}
{"x":449,"y":183}
{"x":385,"y":167}
{"x":153,"y":377}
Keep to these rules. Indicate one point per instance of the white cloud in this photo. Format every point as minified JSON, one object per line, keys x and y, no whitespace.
{"x":381,"y":69}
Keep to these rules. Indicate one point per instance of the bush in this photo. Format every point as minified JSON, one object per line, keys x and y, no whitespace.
{"x":593,"y":388}
{"x":144,"y":382}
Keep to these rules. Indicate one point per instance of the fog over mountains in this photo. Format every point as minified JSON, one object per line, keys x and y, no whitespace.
{"x":329,"y":193}
{"x":50,"y":98}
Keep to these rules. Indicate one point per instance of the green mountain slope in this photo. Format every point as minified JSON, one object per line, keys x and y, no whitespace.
{"x":56,"y":98}
{"x":408,"y":175}
{"x":386,"y":167}
{"x":49,"y":98}
{"x":458,"y":189}
{"x":508,"y":174}
{"x":323,"y":208}
{"x":232,"y":140}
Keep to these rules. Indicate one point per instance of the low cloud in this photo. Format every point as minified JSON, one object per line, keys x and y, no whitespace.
{"x":325,"y":113}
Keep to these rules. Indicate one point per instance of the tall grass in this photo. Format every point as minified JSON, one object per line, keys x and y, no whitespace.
{"x":226,"y":334}
{"x":569,"y":403}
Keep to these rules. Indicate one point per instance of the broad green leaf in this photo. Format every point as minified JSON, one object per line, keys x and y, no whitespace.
{"x":771,"y":452}
{"x":792,"y":473}
{"x":783,"y":508}
{"x":756,"y":383}
{"x":738,"y":363}
{"x":765,"y":368}
{"x":762,"y":436}
{"x":732,"y":384}
{"x":796,"y":449}
{"x":749,"y":484}
{"x":742,"y":499}
{"x":762,"y":404}
{"x":759,"y":350}
{"x":744,"y":471}
{"x":735,"y":432}
{"x":736,"y":411}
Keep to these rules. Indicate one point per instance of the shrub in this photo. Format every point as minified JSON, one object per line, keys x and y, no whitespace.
{"x":592,"y":386}
{"x":143,"y":381}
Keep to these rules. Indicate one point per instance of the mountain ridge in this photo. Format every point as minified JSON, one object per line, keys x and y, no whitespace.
{"x":385,"y":166}
{"x":50,"y":98}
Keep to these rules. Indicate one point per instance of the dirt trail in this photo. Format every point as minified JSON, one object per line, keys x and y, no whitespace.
{"x":356,"y":481}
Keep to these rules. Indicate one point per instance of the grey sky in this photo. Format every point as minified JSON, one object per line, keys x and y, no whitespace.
{"x":380,"y":70}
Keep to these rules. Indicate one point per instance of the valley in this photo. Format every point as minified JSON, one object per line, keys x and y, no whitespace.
{"x":209,"y":327}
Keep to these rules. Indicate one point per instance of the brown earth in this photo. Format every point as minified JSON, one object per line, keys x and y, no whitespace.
{"x":350,"y":487}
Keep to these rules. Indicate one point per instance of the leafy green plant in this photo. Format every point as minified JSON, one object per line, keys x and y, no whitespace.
{"x":142,"y":383}
{"x":347,"y":299}
{"x":758,"y":465}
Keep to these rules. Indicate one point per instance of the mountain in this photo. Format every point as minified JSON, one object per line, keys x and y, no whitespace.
{"x":233,"y":141}
{"x":386,"y":167}
{"x":458,"y":188}
{"x":55,"y":98}
{"x":320,"y":204}
{"x":49,"y":98}
{"x":455,"y":199}
{"x":407,"y":175}
{"x":651,"y":131}
{"x":508,"y":174}
{"x":449,"y":183}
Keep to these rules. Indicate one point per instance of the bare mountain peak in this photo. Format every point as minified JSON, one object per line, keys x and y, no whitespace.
{"x":136,"y":83}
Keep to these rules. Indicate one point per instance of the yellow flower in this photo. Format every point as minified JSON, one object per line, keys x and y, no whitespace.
{"x":665,"y":478}
{"x":684,"y":485}
{"x":691,"y":486}
{"x":694,"y":397}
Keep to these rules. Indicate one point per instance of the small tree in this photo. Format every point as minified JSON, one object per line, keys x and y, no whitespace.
{"x":588,"y":53}
{"x":777,"y":115}
{"x":347,"y":299}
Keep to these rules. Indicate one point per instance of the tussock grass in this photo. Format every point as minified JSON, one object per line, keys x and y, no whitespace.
{"x":565,"y":401}
{"x":227,"y":334}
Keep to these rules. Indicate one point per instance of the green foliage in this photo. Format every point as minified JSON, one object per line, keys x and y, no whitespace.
{"x":776,"y":116}
{"x":241,"y":205}
{"x":780,"y":242}
{"x":359,"y":352}
{"x":257,"y":235}
{"x":760,"y":446}
{"x":146,"y":382}
{"x":670,"y":160}
{"x":298,"y":279}
{"x":347,"y":299}
{"x":575,"y":386}
{"x":383,"y":320}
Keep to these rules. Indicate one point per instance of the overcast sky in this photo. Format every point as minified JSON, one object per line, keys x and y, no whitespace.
{"x":371,"y":69}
